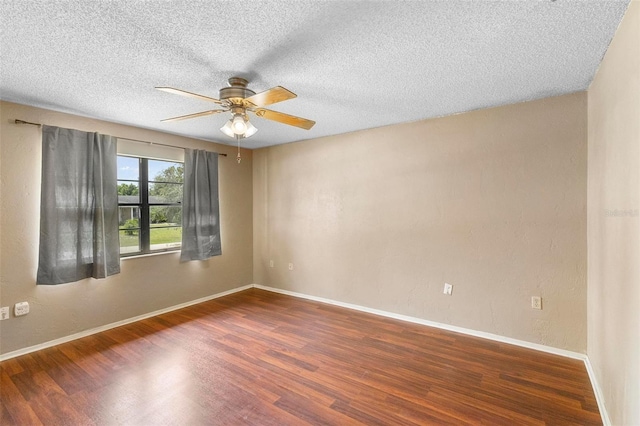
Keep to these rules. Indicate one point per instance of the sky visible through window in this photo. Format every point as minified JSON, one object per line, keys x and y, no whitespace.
{"x":128,"y":167}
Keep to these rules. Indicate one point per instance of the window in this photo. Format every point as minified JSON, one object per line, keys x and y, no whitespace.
{"x":149,"y":205}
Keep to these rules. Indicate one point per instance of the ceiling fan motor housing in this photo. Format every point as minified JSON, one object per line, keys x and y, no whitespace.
{"x":237,"y":90}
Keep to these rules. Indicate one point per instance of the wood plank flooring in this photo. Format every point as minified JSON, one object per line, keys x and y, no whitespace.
{"x":261,"y":358}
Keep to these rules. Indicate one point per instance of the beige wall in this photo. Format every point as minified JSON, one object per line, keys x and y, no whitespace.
{"x":491,"y":201}
{"x":614,"y":237}
{"x":145,"y":284}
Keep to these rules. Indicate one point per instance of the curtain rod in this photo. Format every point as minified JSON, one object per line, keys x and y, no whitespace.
{"x":129,"y":139}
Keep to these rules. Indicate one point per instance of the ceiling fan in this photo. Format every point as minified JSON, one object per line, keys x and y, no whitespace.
{"x":239,"y":99}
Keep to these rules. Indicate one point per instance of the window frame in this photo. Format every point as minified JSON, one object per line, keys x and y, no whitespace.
{"x":144,"y":207}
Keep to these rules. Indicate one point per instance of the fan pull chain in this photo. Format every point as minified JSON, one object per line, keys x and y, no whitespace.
{"x":238,"y":157}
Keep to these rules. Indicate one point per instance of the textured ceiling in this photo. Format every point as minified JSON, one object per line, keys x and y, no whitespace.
{"x":353,"y":64}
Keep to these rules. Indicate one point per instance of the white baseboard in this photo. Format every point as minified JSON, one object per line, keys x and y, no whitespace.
{"x":95,"y":330}
{"x":597,"y":390}
{"x":462,"y":330}
{"x":495,"y":337}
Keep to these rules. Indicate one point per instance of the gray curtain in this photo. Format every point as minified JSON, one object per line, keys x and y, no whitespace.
{"x":200,"y":206}
{"x":79,"y":206}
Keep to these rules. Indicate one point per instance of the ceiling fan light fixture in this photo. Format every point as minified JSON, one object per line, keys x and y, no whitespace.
{"x":238,"y":124}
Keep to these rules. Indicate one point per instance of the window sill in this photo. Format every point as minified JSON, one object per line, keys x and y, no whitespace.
{"x":149,"y":255}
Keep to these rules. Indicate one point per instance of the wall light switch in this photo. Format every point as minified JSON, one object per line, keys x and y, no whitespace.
{"x":271,"y":264}
{"x":291,"y":266}
{"x":4,"y":313}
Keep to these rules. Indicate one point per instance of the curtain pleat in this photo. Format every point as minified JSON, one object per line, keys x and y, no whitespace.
{"x":200,"y":206}
{"x":79,"y":206}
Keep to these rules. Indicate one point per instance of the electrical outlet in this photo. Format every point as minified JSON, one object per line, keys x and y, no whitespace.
{"x":4,"y":313}
{"x":448,"y":289}
{"x":271,"y":264}
{"x":21,"y":308}
{"x":536,"y":302}
{"x":291,"y":266}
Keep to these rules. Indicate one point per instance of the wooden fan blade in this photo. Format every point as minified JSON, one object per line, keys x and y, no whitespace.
{"x":280,"y":117}
{"x":197,"y":114}
{"x":271,"y":96}
{"x":192,"y":95}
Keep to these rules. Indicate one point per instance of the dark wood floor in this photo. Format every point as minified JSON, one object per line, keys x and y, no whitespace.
{"x":262,"y":358}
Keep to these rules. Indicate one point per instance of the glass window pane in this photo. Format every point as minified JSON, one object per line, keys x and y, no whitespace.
{"x":165,"y":238}
{"x":128,"y":217}
{"x":165,"y":193}
{"x":128,"y":192}
{"x":165,"y":215}
{"x":129,"y":241}
{"x":128,"y":168}
{"x":165,"y":171}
